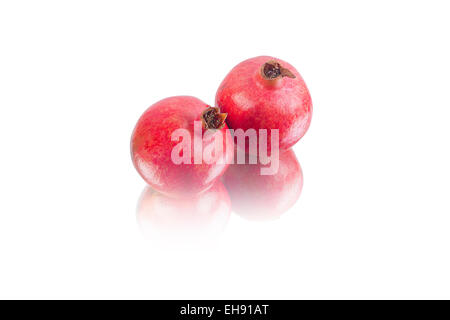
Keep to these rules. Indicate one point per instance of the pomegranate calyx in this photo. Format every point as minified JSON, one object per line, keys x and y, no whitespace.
{"x":272,"y":70}
{"x":212,"y":118}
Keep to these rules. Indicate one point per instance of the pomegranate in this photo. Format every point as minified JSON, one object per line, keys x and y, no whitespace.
{"x":261,"y":197}
{"x":170,"y":141}
{"x":266,"y":93}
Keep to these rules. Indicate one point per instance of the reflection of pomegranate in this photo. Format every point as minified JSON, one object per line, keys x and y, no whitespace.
{"x":152,"y":146}
{"x":203,"y":214}
{"x":266,"y":93}
{"x":260,"y":197}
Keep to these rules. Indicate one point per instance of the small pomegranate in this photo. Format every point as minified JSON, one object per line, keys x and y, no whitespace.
{"x":266,"y":93}
{"x":264,"y":197}
{"x":201,"y":215}
{"x":169,"y":143}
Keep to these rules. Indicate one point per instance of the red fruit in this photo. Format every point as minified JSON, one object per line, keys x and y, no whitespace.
{"x":152,"y":146}
{"x":266,"y":93}
{"x":260,"y":197}
{"x":201,"y":215}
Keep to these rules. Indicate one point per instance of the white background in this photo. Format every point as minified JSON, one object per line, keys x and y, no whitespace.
{"x":373,"y":220}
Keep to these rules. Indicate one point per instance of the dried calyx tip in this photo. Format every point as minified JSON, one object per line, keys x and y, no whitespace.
{"x":272,"y":70}
{"x":212,"y":118}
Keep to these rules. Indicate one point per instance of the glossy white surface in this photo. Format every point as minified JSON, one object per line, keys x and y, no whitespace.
{"x":373,"y":219}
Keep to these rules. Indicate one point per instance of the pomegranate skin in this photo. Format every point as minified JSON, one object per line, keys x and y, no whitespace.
{"x":255,"y":101}
{"x":152,"y":145}
{"x":264,"y":197}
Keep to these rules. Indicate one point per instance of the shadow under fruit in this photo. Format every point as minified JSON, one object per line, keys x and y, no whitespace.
{"x":264,"y":197}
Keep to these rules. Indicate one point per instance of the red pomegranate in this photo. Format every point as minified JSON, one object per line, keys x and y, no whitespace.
{"x":168,"y":150}
{"x":266,"y":93}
